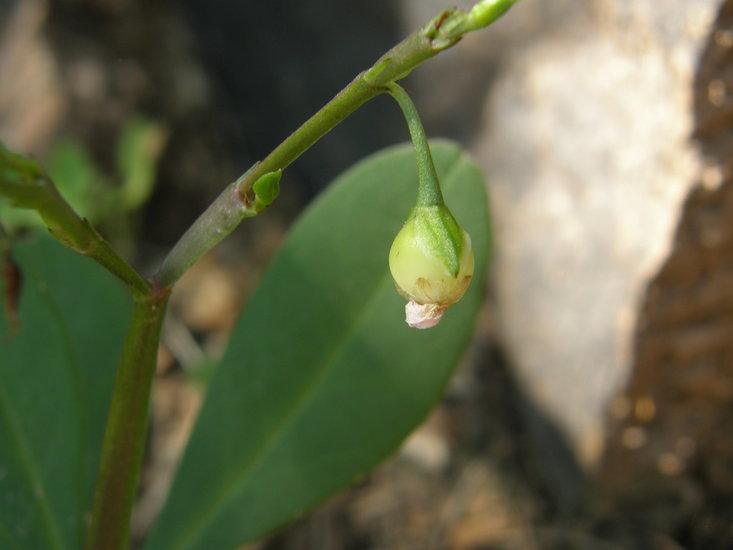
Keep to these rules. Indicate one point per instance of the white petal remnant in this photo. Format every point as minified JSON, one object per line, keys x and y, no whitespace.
{"x":423,"y":315}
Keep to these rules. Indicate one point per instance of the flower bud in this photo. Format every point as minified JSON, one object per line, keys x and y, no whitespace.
{"x":431,"y":261}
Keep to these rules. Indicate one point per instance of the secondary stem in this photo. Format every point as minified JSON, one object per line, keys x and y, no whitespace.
{"x":207,"y":232}
{"x":217,"y":221}
{"x":395,"y":64}
{"x":125,"y":435}
{"x":428,"y":191}
{"x":341,"y":106}
{"x":24,"y":182}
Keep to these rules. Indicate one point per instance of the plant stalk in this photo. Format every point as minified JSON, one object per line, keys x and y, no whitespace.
{"x":442,"y":32}
{"x":217,"y":221}
{"x":127,"y":424}
{"x":23,"y":181}
{"x":428,"y":190}
{"x":206,"y":231}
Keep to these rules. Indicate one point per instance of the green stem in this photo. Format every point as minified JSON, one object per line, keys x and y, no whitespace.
{"x":428,"y":191}
{"x":127,"y":423}
{"x":217,"y":221}
{"x":24,"y":182}
{"x":442,"y":32}
{"x":206,"y":232}
{"x":358,"y":92}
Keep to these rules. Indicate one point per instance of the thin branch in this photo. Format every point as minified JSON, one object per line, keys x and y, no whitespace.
{"x":429,"y":193}
{"x":23,"y":181}
{"x":442,"y":32}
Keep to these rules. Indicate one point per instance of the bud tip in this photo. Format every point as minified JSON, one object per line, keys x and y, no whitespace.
{"x":423,"y":316}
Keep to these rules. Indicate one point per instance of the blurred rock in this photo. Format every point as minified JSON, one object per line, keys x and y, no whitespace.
{"x":31,"y":102}
{"x":586,"y":145}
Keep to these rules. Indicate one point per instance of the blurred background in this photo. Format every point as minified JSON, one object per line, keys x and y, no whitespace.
{"x":594,"y":409}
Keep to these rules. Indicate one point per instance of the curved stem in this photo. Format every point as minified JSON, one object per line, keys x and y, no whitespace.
{"x":428,"y":192}
{"x":348,"y":100}
{"x":440,"y":33}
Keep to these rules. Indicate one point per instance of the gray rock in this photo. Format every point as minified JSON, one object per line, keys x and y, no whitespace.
{"x":586,"y":144}
{"x":587,"y":150}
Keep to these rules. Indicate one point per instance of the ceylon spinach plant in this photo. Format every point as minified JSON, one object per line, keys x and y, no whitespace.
{"x":321,"y":380}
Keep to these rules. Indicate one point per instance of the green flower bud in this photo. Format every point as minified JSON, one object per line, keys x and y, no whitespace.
{"x":431,"y":261}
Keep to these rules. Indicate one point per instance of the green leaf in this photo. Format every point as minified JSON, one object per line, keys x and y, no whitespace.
{"x":138,"y":150}
{"x":17,"y":169}
{"x":323,"y":379}
{"x":79,"y":180}
{"x":56,"y":375}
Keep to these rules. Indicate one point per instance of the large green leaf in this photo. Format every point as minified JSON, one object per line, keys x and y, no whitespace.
{"x":56,"y":375}
{"x":322,"y":378}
